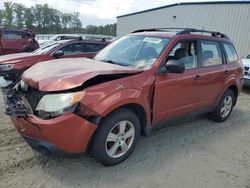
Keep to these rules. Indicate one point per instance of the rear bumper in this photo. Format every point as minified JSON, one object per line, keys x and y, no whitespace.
{"x":68,"y":133}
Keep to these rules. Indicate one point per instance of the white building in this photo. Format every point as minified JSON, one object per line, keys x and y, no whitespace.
{"x":229,"y":17}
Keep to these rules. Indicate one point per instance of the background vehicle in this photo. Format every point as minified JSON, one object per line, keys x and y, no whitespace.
{"x":58,"y":38}
{"x":246,"y":63}
{"x":138,"y":83}
{"x":15,"y":41}
{"x":12,"y":66}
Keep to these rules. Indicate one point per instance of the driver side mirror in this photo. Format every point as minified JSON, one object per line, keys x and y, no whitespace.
{"x":58,"y":53}
{"x":175,"y":67}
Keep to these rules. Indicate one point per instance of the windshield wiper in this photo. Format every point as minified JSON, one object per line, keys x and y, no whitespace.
{"x":112,"y":62}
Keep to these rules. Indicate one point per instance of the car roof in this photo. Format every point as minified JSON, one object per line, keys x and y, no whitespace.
{"x":80,"y":40}
{"x":182,"y":33}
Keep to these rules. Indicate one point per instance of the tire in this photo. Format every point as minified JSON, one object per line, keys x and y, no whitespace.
{"x":220,"y":115}
{"x":110,"y":145}
{"x":28,"y":50}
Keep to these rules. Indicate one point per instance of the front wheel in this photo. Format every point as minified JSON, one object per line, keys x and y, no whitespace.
{"x":224,"y":107}
{"x":116,"y":138}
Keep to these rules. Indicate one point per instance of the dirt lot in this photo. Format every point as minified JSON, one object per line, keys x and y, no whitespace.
{"x":199,"y":153}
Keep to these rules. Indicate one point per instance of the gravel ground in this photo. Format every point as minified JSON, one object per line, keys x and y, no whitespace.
{"x":198,"y":153}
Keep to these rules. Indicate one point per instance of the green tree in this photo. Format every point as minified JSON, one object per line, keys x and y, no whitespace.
{"x":8,"y":14}
{"x":1,"y":17}
{"x":19,"y":15}
{"x":28,"y":18}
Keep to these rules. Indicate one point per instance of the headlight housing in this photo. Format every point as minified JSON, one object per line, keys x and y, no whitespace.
{"x":58,"y":103}
{"x":6,"y":67}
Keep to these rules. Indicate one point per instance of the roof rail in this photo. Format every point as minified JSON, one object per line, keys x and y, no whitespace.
{"x":183,"y":31}
{"x":160,"y":29}
{"x":213,"y":33}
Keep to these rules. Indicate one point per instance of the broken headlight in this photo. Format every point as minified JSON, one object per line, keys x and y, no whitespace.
{"x":6,"y":67}
{"x":57,"y":103}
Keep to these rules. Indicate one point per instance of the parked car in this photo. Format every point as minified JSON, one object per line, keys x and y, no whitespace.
{"x":246,"y":63}
{"x":15,"y":41}
{"x":12,"y":66}
{"x":138,"y":83}
{"x":58,"y":38}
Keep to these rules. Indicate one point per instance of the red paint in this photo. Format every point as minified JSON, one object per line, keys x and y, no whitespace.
{"x":161,"y":96}
{"x":69,"y":132}
{"x":25,"y":42}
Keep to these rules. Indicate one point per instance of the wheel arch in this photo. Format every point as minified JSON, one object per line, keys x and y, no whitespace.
{"x":139,"y":112}
{"x":235,"y":90}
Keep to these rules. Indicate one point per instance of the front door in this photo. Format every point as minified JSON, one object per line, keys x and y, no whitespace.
{"x":178,"y":94}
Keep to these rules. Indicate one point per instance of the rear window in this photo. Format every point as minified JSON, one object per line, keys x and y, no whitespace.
{"x":93,"y":47}
{"x":231,"y":53}
{"x":211,"y":53}
{"x":9,"y":34}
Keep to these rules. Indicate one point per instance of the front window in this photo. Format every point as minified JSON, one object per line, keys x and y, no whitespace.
{"x":134,"y":51}
{"x":184,"y":52}
{"x":45,"y":49}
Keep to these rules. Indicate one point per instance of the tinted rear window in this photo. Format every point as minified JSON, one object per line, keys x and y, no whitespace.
{"x":9,"y":34}
{"x":231,"y":53}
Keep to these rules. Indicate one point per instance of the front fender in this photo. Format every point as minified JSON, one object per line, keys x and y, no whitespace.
{"x":117,"y":99}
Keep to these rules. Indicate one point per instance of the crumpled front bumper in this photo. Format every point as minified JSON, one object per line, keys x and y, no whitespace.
{"x":69,"y":133}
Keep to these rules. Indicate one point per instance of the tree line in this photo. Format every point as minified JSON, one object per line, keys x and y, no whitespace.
{"x":46,"y":20}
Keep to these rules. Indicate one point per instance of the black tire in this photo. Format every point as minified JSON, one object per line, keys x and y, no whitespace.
{"x":99,"y":145}
{"x":217,"y":114}
{"x":28,"y":50}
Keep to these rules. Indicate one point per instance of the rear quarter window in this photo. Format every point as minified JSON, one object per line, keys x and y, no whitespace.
{"x":231,"y":53}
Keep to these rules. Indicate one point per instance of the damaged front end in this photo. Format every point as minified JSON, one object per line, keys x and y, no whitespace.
{"x":16,"y":104}
{"x":23,"y":100}
{"x":47,"y":123}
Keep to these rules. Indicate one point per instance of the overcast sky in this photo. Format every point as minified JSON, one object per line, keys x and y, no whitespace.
{"x":99,"y":12}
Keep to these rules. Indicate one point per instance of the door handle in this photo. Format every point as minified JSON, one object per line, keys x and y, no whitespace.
{"x":197,"y":77}
{"x":226,"y":72}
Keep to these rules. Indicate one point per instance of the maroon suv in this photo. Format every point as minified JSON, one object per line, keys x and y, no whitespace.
{"x":138,"y":83}
{"x":15,"y":41}
{"x":13,"y":65}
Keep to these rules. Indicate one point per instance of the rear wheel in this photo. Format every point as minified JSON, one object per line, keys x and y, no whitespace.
{"x":224,"y":107}
{"x":116,"y":137}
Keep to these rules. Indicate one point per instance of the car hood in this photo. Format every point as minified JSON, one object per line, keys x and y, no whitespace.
{"x":65,"y":74}
{"x":16,"y":58}
{"x":246,"y":62}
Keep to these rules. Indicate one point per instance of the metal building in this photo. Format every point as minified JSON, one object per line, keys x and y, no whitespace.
{"x":229,"y":17}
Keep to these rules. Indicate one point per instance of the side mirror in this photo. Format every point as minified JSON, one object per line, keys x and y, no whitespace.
{"x":175,"y":67}
{"x":58,"y":53}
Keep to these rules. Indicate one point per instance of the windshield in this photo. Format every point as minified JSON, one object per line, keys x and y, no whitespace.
{"x":45,"y":49}
{"x":134,"y":51}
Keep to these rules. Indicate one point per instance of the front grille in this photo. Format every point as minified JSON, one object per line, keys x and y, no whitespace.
{"x":33,"y":96}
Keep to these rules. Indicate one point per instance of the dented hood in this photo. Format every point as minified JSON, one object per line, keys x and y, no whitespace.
{"x":64,"y":74}
{"x":18,"y":57}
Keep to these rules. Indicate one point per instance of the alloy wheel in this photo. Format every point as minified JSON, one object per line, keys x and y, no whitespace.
{"x":120,"y":139}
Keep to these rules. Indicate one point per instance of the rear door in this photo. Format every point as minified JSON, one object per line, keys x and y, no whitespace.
{"x":178,"y":94}
{"x":213,"y":72}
